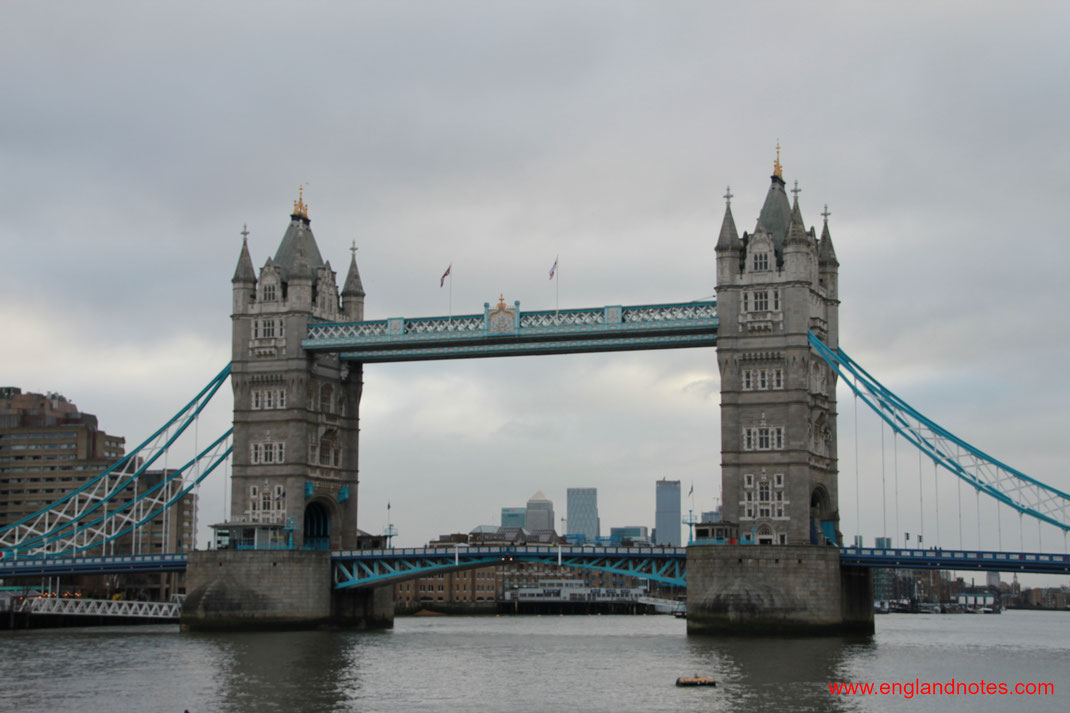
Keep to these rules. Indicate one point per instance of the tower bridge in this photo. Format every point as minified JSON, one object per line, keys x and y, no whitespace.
{"x":300,"y":344}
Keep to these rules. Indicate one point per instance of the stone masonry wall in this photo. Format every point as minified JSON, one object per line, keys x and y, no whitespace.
{"x":749,"y":589}
{"x":255,"y":589}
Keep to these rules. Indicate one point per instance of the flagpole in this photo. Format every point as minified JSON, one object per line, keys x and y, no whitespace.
{"x":449,"y":318}
{"x":556,"y":286}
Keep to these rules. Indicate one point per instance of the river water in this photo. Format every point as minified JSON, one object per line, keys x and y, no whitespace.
{"x":521,"y":664}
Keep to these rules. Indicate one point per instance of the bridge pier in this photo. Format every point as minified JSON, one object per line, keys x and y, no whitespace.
{"x":275,"y":589}
{"x":797,"y":590}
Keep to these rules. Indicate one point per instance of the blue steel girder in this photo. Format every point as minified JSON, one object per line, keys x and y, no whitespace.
{"x":962,"y":560}
{"x":374,"y":568}
{"x":103,"y":564}
{"x":506,"y":331}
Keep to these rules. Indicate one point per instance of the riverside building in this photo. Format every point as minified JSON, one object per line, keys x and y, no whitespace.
{"x":49,"y":448}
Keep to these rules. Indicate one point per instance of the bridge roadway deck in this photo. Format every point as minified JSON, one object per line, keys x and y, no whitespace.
{"x":373,"y":568}
{"x":506,"y":331}
{"x":365,"y":568}
{"x":101,"y":564}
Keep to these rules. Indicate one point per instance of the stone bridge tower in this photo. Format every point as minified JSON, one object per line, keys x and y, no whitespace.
{"x":295,"y":414}
{"x":778,"y":438}
{"x":778,"y":398}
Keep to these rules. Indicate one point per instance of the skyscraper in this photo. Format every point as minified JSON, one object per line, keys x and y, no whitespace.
{"x":667,"y":518}
{"x":583,"y":513}
{"x":514,"y":517}
{"x":539,"y":514}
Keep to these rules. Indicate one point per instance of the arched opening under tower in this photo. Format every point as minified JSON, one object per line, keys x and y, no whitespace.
{"x":822,"y":518}
{"x":317,"y":528}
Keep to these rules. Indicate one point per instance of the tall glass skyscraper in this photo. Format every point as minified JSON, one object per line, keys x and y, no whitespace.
{"x":667,"y":518}
{"x":583,"y":513}
{"x":513,"y":517}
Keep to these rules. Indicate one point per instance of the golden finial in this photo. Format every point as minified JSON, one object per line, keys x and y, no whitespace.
{"x":778,"y":170}
{"x":501,"y":301}
{"x":300,"y":209}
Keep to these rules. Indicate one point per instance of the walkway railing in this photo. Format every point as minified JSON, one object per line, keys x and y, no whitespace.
{"x":506,"y":331}
{"x":100,"y":607}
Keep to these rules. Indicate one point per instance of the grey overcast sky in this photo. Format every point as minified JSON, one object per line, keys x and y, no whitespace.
{"x":137,"y":138}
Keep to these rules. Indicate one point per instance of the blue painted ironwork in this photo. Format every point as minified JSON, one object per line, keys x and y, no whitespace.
{"x":980,"y":470}
{"x":367,"y":568}
{"x":1031,"y":562}
{"x":374,"y":568}
{"x":105,"y":564}
{"x":506,"y":331}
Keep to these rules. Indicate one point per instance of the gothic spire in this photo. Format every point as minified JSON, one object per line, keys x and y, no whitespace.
{"x":298,"y":241}
{"x":776,"y":212}
{"x":796,"y":228}
{"x":245,"y":272}
{"x":826,"y":254}
{"x":353,"y":284}
{"x":729,"y":238}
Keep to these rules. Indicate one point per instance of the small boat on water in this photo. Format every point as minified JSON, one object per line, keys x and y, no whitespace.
{"x":695,"y":681}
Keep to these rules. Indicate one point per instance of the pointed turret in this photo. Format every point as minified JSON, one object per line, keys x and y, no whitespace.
{"x":729,"y":238}
{"x":244,"y":279}
{"x":298,"y":240}
{"x":826,"y":254}
{"x":353,"y":290}
{"x":244,"y":272}
{"x":729,"y":247}
{"x":776,"y":212}
{"x":796,"y":228}
{"x":353,"y":285}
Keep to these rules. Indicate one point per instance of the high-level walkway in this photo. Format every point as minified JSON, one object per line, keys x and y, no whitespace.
{"x":506,"y":331}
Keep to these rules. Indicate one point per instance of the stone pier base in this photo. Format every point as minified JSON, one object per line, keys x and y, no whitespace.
{"x":275,"y":589}
{"x":776,"y":590}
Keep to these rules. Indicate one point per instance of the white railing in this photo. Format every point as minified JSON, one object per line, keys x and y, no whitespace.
{"x":438,"y":325}
{"x":100,"y":607}
{"x":562,"y":319}
{"x":665,"y":313}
